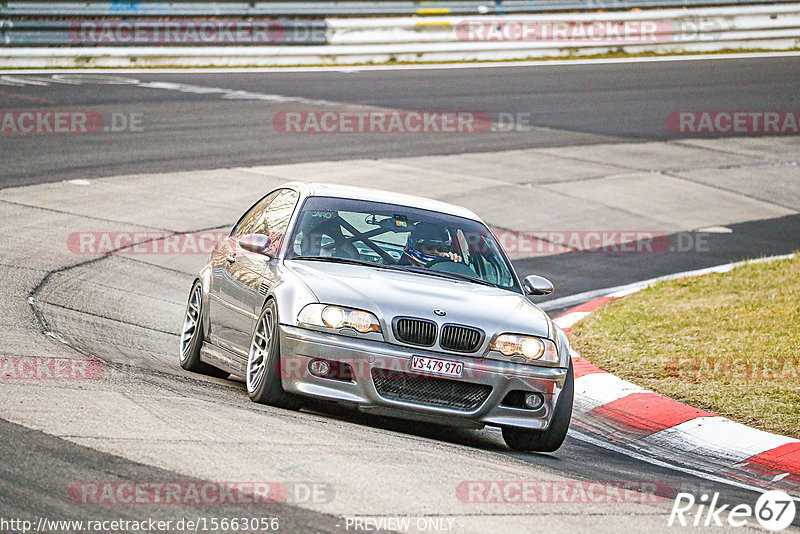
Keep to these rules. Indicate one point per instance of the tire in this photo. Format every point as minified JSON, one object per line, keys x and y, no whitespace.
{"x":263,"y":372}
{"x":192,"y":337}
{"x":522,"y":439}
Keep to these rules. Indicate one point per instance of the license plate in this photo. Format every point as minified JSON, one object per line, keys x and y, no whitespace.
{"x":436,"y":366}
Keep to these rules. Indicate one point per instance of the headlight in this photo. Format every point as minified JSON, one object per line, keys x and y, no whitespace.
{"x":531,"y":348}
{"x":336,"y":317}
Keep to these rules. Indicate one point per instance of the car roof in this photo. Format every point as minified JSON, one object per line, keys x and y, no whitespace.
{"x":375,"y":195}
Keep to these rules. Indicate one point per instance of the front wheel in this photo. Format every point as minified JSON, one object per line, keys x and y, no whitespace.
{"x":192,"y":336}
{"x":264,"y":363}
{"x":521,"y":439}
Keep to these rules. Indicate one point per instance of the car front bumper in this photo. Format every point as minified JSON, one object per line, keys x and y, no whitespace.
{"x":299,"y":346}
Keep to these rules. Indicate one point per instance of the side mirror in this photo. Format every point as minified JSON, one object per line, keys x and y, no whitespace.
{"x":258,"y":243}
{"x":537,"y":285}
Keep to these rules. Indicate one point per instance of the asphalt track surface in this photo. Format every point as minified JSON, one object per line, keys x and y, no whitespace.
{"x":188,"y":131}
{"x":567,"y":106}
{"x":32,"y":485}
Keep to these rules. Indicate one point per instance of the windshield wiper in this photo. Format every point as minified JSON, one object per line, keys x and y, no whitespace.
{"x":445,"y":274}
{"x":334,"y":259}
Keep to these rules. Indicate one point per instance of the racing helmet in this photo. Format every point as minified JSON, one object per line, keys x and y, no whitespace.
{"x":425,"y":241}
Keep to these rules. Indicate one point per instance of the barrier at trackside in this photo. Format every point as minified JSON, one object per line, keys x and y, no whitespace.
{"x":338,"y":41}
{"x":312,"y":8}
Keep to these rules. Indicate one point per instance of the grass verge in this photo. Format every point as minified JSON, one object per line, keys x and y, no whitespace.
{"x":728,"y":343}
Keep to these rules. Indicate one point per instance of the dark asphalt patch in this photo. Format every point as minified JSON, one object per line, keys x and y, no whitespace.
{"x":38,"y":471}
{"x":577,"y":272}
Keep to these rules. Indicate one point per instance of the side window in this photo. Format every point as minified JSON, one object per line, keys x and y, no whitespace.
{"x":496,"y":270}
{"x":275,"y":220}
{"x":248,"y":222}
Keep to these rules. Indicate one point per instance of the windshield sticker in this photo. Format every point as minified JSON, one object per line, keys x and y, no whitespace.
{"x":322,"y":214}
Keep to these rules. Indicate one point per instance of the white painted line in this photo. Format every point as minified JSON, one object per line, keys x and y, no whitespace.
{"x":577,"y":298}
{"x":19,"y":81}
{"x":580,"y":436}
{"x":715,"y":230}
{"x":633,"y":288}
{"x":79,"y":181}
{"x":569,"y":319}
{"x":717,"y":436}
{"x":427,"y":66}
{"x":596,"y":389}
{"x":627,"y":289}
{"x":721,"y":441}
{"x":234,"y":94}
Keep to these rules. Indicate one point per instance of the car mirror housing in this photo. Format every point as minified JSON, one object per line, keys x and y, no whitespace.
{"x":258,"y":243}
{"x":537,"y":285}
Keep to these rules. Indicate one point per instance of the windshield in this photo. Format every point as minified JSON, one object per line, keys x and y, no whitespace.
{"x":399,"y":237}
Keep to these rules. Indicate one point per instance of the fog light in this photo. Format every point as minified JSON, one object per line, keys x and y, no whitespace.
{"x":534,"y":401}
{"x":319,"y":367}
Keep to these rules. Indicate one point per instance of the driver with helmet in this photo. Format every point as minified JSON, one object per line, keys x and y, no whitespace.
{"x":428,"y":244}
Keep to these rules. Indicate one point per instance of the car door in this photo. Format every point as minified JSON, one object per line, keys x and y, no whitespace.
{"x":246,"y":275}
{"x":225,"y":318}
{"x":275,"y":225}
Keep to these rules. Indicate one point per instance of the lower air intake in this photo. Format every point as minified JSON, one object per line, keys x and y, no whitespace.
{"x":426,"y":390}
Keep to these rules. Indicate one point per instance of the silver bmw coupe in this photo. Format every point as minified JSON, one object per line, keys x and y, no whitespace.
{"x":394,"y":304}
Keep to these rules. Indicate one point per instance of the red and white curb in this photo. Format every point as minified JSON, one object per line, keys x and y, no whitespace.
{"x":657,"y":426}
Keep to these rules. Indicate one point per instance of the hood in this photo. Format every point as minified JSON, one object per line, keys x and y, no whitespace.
{"x":390,"y":294}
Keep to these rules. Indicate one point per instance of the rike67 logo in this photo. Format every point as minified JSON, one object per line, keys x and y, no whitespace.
{"x":774,"y":510}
